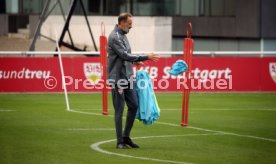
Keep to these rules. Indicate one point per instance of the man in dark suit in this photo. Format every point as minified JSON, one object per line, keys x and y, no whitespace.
{"x":120,"y":62}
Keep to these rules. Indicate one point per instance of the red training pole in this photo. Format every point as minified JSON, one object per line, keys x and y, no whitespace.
{"x":103,"y":59}
{"x":187,"y":55}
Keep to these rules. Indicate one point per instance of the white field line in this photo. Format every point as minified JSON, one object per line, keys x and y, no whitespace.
{"x":200,"y":109}
{"x":220,"y":109}
{"x":89,"y":113}
{"x":7,"y":110}
{"x":191,"y":127}
{"x":234,"y":134}
{"x":217,"y":131}
{"x":86,"y":109}
{"x":96,"y":147}
{"x":91,"y":129}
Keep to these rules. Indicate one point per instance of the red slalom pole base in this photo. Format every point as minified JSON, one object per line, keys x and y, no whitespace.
{"x":184,"y":125}
{"x":105,"y":113}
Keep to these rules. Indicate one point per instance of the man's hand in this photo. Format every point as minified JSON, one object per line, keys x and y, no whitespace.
{"x":153,"y":57}
{"x":139,"y":63}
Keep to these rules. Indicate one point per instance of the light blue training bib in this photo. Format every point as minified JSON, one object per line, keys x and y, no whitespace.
{"x":148,"y":110}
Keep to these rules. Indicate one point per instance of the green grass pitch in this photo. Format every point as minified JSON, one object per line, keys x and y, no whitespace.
{"x":223,"y":128}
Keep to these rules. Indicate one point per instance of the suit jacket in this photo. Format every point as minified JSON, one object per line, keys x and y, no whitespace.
{"x":120,"y":58}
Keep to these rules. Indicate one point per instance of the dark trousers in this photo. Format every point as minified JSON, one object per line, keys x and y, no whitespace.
{"x":119,"y":97}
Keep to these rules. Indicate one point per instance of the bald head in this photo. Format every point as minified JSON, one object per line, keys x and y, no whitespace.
{"x":123,"y":17}
{"x":125,"y":21}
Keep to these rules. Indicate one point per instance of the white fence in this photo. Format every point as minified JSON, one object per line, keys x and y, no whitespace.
{"x":162,"y":53}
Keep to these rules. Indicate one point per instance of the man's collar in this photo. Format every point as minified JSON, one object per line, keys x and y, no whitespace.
{"x":119,"y":30}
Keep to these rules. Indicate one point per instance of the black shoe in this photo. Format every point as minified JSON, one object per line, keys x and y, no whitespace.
{"x":122,"y":146}
{"x":129,"y":142}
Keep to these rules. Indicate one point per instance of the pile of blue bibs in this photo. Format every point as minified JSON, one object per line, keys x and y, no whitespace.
{"x":148,"y":110}
{"x":178,"y":67}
